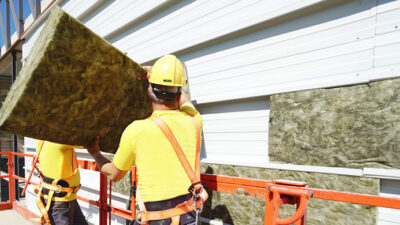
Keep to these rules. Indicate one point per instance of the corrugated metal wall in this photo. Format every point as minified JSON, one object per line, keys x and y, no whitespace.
{"x":240,"y":52}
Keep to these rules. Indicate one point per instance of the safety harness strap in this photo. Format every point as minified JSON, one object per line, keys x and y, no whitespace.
{"x":58,"y":188}
{"x":178,"y":150}
{"x":53,"y":187}
{"x":184,"y":207}
{"x":198,"y":192}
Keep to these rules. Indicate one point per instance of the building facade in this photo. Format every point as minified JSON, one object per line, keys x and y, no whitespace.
{"x":304,"y":90}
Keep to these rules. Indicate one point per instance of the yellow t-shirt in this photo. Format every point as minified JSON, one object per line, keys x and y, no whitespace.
{"x":160,"y":173}
{"x":58,"y":161}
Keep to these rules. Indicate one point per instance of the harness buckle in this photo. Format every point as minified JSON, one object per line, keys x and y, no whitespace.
{"x":137,"y":217}
{"x":191,"y":188}
{"x":58,"y":186}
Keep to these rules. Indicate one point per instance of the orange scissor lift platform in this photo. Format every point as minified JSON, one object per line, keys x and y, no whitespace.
{"x":275,"y":193}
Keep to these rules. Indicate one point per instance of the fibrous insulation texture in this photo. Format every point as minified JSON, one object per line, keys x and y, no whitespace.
{"x":74,"y":86}
{"x":356,"y":126}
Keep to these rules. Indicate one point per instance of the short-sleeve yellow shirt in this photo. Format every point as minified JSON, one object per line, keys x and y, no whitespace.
{"x":160,"y":173}
{"x":58,"y":161}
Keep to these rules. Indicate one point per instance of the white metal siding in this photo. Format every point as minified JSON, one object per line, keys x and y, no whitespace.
{"x":120,"y":13}
{"x":191,"y":24}
{"x":387,"y":46}
{"x":236,"y":131}
{"x":328,"y":48}
{"x":77,"y":8}
{"x":386,"y":216}
{"x":30,"y":42}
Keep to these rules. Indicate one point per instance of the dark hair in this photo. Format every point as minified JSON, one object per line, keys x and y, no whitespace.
{"x":165,"y":94}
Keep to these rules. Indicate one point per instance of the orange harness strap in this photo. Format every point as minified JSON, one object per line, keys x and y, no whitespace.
{"x":53,"y":187}
{"x":198,"y":192}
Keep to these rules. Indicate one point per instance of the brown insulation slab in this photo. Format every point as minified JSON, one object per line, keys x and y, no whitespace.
{"x":73,"y":86}
{"x":354,"y":127}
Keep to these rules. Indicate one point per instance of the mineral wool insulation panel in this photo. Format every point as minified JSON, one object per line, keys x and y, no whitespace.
{"x":73,"y":86}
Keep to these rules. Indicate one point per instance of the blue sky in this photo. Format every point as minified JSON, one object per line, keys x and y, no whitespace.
{"x":26,"y":13}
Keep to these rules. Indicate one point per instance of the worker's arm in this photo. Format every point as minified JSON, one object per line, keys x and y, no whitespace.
{"x":184,"y":99}
{"x":186,"y":105}
{"x":105,"y":166}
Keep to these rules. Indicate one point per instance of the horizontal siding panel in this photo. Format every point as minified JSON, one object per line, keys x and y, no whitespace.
{"x":78,"y":7}
{"x":221,"y":127}
{"x":120,"y":13}
{"x":30,"y":42}
{"x":236,"y":159}
{"x":354,"y":68}
{"x":237,"y":136}
{"x":388,"y":18}
{"x":387,"y":43}
{"x":388,"y":38}
{"x":314,"y":61}
{"x":267,"y":49}
{"x":202,"y":21}
{"x":297,"y":60}
{"x":228,"y":149}
{"x":236,"y":129}
{"x":388,"y":55}
{"x":233,"y":115}
{"x":220,"y":146}
{"x":332,"y":81}
{"x":387,"y":216}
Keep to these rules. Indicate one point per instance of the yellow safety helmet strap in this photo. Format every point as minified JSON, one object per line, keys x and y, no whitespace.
{"x":169,"y":71}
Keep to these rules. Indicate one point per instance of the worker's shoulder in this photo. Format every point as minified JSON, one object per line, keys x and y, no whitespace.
{"x":138,"y":125}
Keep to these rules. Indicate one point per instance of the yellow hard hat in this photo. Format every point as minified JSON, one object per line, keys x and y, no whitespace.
{"x":168,"y":71}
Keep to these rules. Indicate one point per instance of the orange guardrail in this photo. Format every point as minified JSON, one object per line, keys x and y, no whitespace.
{"x":275,"y":193}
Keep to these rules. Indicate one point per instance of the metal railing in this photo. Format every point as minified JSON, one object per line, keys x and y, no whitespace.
{"x":275,"y":193}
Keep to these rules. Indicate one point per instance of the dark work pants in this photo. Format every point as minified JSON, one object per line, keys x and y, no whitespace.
{"x":66,"y":213}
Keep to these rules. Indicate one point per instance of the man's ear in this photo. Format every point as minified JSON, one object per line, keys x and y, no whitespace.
{"x":179,"y":97}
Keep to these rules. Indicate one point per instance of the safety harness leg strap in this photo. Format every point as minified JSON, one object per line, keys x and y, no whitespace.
{"x":185,"y":207}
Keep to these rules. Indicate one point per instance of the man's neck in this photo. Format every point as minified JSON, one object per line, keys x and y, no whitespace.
{"x":159,"y":106}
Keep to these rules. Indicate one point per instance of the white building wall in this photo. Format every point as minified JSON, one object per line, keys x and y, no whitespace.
{"x":238,"y":52}
{"x":235,"y":131}
{"x":387,"y":40}
{"x":386,"y":216}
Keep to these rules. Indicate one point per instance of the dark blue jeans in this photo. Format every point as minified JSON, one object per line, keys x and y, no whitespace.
{"x":66,"y":213}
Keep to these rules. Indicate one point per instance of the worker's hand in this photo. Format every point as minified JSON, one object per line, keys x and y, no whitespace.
{"x":184,"y":99}
{"x":148,"y":69}
{"x":93,"y":148}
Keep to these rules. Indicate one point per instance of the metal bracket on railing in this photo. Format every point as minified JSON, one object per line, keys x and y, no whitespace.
{"x":286,"y":192}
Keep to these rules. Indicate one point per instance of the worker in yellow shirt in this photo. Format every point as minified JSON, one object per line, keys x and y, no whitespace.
{"x":163,"y":181}
{"x":60,"y":182}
